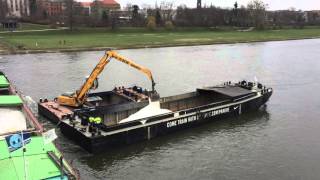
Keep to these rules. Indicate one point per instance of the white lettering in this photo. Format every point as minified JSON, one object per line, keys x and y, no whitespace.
{"x":194,"y":117}
{"x":171,"y":124}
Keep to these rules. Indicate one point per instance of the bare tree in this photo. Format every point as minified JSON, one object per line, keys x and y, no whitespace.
{"x":128,"y":7}
{"x":257,"y":9}
{"x":243,"y":17}
{"x":235,"y":14}
{"x":69,"y":12}
{"x":300,"y":19}
{"x":158,"y":18}
{"x":136,"y":18}
{"x":206,"y":17}
{"x":313,"y":18}
{"x":291,"y":17}
{"x":96,"y":9}
{"x":114,"y":20}
{"x":166,"y":9}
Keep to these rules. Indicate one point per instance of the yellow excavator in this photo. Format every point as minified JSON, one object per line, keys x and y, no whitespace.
{"x":78,"y":98}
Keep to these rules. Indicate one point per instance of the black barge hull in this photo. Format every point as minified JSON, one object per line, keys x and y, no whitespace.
{"x":128,"y":134}
{"x":182,"y":111}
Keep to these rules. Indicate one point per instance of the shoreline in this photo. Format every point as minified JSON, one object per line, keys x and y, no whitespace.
{"x":35,"y":51}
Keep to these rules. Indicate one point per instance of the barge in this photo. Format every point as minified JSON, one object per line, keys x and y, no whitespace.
{"x":127,"y":115}
{"x":25,"y":151}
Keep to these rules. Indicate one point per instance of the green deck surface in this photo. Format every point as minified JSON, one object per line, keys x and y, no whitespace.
{"x":10,"y":100}
{"x":37,"y":161}
{"x":3,"y":82}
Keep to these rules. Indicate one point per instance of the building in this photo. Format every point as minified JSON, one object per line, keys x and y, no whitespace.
{"x":110,"y":4}
{"x":86,"y":7}
{"x":53,"y":7}
{"x":89,"y":5}
{"x":17,"y":8}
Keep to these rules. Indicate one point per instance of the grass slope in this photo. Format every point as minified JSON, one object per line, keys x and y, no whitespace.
{"x":135,"y":37}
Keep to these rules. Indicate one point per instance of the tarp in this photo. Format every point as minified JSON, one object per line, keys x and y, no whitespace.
{"x":36,"y":161}
{"x":49,"y":136}
{"x":12,"y":119}
{"x":3,"y":81}
{"x":10,"y":100}
{"x":230,"y":91}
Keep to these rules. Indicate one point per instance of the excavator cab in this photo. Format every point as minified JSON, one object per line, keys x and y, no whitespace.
{"x":68,"y":98}
{"x":95,"y":83}
{"x":68,"y":94}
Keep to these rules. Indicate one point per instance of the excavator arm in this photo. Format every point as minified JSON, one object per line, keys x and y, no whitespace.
{"x":79,"y":97}
{"x":145,"y":70}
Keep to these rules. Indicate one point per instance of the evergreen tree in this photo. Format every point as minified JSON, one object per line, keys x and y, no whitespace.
{"x":135,"y":14}
{"x":235,"y":14}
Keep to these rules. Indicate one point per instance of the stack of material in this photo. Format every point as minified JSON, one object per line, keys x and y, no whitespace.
{"x":153,"y":109}
{"x":12,"y":120}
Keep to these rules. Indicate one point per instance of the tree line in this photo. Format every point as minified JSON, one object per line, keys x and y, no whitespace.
{"x":255,"y":14}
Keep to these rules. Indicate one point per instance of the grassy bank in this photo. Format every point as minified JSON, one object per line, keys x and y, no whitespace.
{"x":134,"y":37}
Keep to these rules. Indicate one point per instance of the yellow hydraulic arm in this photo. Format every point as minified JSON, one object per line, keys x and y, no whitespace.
{"x":78,"y":98}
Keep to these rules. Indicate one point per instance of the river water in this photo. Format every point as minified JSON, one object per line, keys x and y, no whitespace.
{"x":280,"y":141}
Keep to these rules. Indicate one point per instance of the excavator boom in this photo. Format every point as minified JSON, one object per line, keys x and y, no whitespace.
{"x":81,"y":94}
{"x":145,"y":70}
{"x":79,"y":97}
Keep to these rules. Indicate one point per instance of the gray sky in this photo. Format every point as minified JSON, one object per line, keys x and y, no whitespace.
{"x":272,"y":4}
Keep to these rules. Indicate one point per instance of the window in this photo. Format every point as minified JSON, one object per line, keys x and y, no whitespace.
{"x":17,"y":5}
{"x":21,"y":6}
{"x":11,"y":4}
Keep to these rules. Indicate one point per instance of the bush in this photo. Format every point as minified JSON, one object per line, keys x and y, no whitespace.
{"x":169,"y":25}
{"x":53,"y":26}
{"x":151,"y":23}
{"x":21,"y":47}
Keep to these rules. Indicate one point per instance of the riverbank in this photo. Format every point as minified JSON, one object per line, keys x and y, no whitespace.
{"x":101,"y":39}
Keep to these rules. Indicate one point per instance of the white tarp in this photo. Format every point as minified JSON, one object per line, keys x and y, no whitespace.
{"x":11,"y":120}
{"x":49,"y":136}
{"x":152,"y":109}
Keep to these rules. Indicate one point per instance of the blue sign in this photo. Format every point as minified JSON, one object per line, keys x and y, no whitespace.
{"x":16,"y":141}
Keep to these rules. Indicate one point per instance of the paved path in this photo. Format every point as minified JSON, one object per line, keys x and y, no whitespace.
{"x":38,"y":30}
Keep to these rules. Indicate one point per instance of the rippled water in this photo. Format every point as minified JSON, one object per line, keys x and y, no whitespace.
{"x":280,"y":141}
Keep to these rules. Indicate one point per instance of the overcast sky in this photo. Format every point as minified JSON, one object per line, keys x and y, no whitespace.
{"x":272,"y":4}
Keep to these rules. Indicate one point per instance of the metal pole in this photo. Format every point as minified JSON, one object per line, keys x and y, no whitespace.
{"x":61,"y":166}
{"x":24,"y":161}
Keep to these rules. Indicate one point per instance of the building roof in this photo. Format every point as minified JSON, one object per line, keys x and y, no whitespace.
{"x":85,"y":4}
{"x":230,"y":91}
{"x":88,"y":3}
{"x":109,"y":2}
